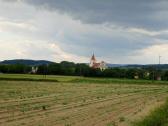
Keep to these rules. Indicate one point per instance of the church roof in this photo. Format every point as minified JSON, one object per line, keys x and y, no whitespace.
{"x":96,"y":65}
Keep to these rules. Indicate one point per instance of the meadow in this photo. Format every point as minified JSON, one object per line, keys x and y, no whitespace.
{"x":37,"y":100}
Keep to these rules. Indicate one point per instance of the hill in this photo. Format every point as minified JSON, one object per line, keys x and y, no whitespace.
{"x":26,"y":62}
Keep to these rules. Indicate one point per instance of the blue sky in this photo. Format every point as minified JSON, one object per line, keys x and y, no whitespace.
{"x":117,"y":31}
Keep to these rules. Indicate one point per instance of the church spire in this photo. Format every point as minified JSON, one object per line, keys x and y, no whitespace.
{"x":93,"y":57}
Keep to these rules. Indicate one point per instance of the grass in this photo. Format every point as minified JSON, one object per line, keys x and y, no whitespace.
{"x":121,"y":119}
{"x":75,"y":79}
{"x":30,"y":77}
{"x":158,"y":117}
{"x":117,"y":81}
{"x":111,"y":124}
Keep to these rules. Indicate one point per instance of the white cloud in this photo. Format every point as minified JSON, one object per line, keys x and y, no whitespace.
{"x":11,"y":26}
{"x":147,"y":32}
{"x":62,"y":55}
{"x":151,"y":54}
{"x":36,"y":50}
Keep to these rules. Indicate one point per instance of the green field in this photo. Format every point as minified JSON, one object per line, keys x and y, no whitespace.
{"x":76,"y":79}
{"x":28,"y":77}
{"x":36,"y":100}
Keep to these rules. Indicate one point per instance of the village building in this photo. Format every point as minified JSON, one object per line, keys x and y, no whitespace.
{"x":34,"y":70}
{"x":97,"y":65}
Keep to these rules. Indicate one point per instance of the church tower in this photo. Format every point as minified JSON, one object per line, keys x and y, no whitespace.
{"x":92,"y":61}
{"x":97,"y":65}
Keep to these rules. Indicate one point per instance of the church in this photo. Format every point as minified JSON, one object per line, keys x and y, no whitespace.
{"x":97,"y":65}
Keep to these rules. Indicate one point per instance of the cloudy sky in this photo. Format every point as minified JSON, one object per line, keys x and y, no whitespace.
{"x":117,"y":31}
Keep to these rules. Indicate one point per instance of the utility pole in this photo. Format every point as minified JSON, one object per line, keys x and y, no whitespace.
{"x":160,"y":59}
{"x":159,"y":72}
{"x":153,"y":74}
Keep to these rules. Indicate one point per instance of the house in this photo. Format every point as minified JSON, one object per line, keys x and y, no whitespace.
{"x":34,"y":70}
{"x":97,"y":65}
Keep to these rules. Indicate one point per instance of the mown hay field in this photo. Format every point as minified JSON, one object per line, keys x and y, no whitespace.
{"x":37,"y":103}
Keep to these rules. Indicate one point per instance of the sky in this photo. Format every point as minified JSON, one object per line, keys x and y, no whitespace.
{"x":116,"y":31}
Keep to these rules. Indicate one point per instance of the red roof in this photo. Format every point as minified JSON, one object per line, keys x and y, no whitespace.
{"x":96,"y":65}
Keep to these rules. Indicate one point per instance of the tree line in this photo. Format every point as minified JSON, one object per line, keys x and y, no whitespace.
{"x":81,"y":69}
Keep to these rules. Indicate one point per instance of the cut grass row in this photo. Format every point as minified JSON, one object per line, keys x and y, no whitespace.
{"x":158,"y":117}
{"x":86,"y":107}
